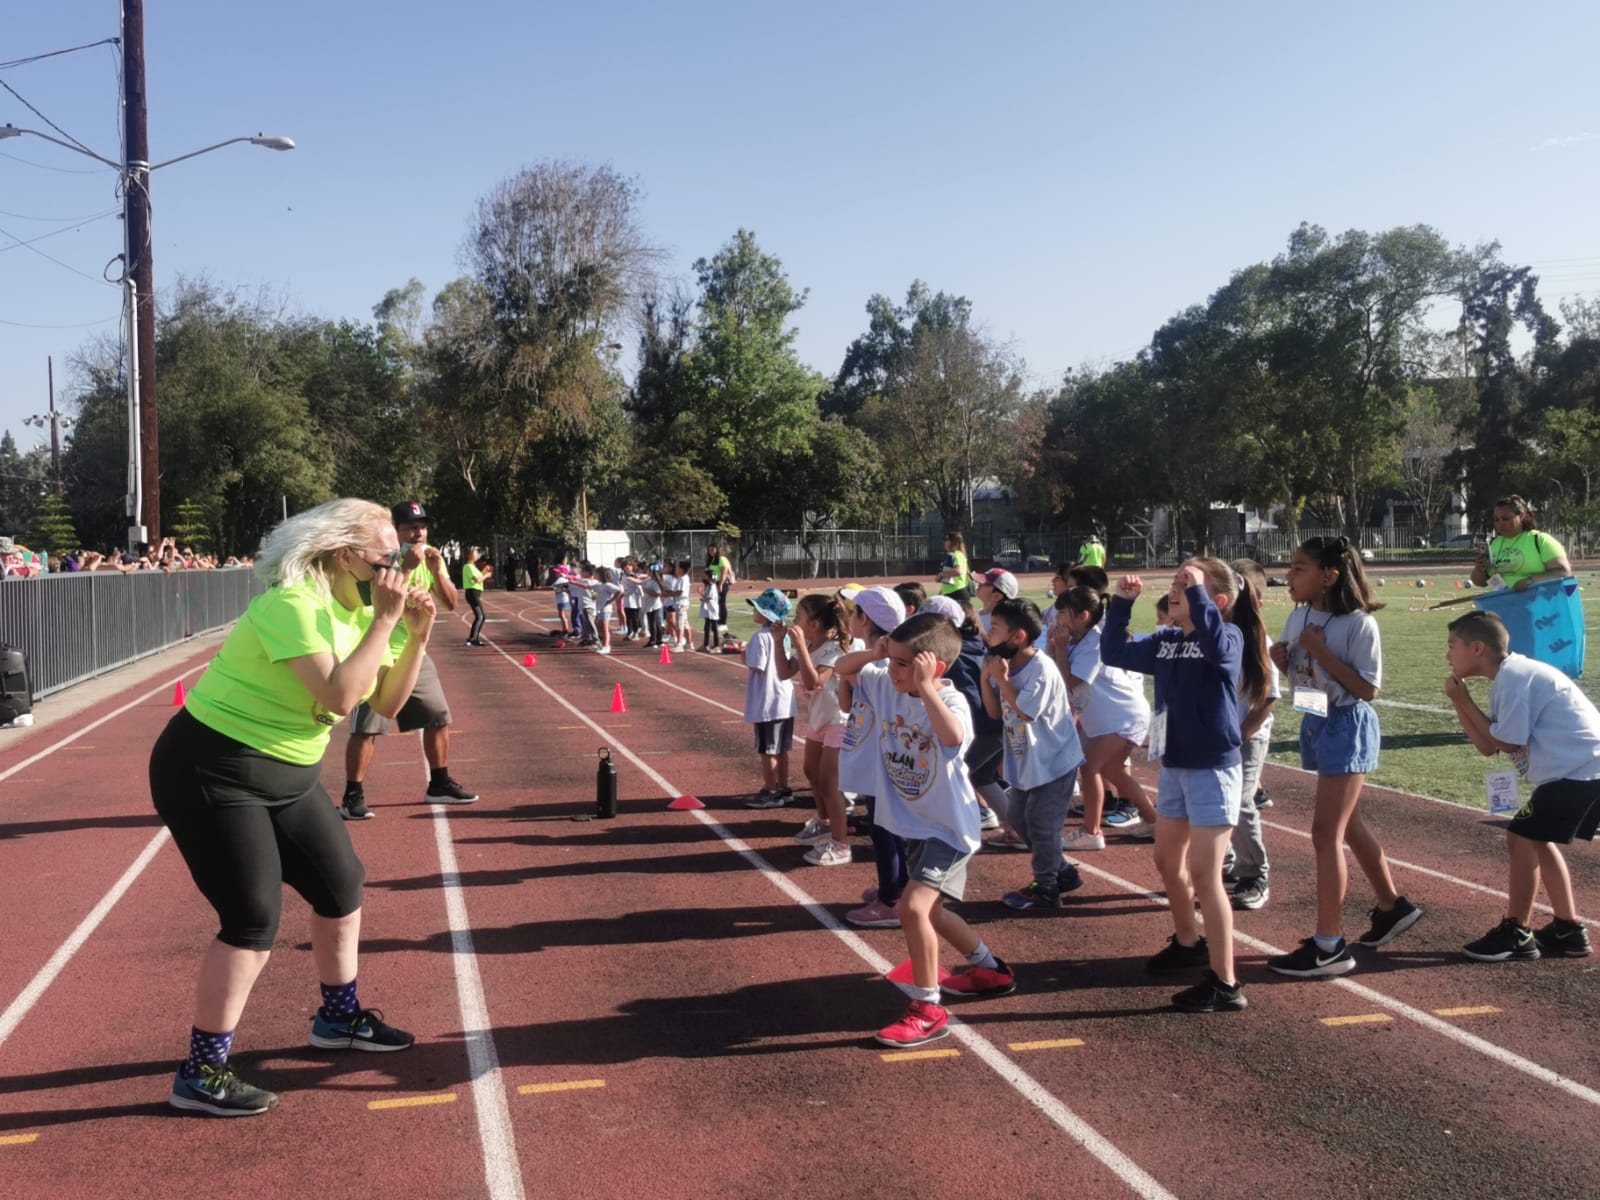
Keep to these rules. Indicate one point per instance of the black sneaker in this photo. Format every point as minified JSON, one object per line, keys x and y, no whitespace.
{"x":1312,"y":962}
{"x":1175,"y":956}
{"x":218,"y":1091}
{"x":1250,"y":895}
{"x":1563,"y":939}
{"x":1386,"y":926}
{"x":1263,"y":798}
{"x":1068,"y":879}
{"x":354,"y":808}
{"x":1032,"y":897}
{"x":450,"y":792}
{"x":1230,"y":883}
{"x":364,"y":1031}
{"x":1211,"y":995}
{"x":1506,"y":940}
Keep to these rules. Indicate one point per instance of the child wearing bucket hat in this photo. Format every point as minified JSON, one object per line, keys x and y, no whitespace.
{"x":769,"y":698}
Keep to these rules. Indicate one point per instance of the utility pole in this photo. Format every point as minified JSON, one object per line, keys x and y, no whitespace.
{"x":141,"y":267}
{"x":55,"y":424}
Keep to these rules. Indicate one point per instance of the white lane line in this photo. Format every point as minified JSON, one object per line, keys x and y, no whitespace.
{"x":1445,"y":876}
{"x":1427,"y":708}
{"x":1139,"y":1181}
{"x":500,"y":1167}
{"x":1426,"y":1019}
{"x":20,"y":1007}
{"x":93,"y":725}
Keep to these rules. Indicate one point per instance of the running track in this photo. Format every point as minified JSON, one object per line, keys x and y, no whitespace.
{"x":667,"y":1004}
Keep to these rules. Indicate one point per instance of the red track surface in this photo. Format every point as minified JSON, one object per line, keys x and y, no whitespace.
{"x":730,"y":1023}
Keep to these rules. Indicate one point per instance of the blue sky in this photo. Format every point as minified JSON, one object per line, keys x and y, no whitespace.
{"x":1079,"y":172}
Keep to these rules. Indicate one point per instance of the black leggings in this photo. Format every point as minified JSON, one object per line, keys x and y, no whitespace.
{"x":712,"y":637}
{"x":654,"y":618}
{"x":246,"y":824}
{"x":475,"y":603}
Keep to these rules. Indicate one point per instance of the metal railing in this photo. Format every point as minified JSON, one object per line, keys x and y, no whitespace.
{"x":793,"y":553}
{"x":73,"y":627}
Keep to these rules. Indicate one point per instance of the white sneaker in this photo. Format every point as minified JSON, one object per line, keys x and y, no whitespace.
{"x":602,"y":649}
{"x":829,"y":854}
{"x":1143,"y":832}
{"x":1081,"y":839}
{"x":989,"y":820}
{"x":812,"y":833}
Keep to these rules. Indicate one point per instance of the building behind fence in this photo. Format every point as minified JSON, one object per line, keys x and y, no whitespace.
{"x":73,"y":627}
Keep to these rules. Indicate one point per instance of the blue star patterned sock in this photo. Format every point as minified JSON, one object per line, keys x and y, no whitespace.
{"x":205,"y":1048}
{"x":339,"y":1001}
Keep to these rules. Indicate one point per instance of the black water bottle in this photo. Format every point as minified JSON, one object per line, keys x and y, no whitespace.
{"x":605,"y":786}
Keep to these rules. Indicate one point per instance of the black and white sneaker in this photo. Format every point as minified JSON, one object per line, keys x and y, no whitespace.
{"x":449,"y":792}
{"x":1263,"y":798}
{"x":218,"y":1092}
{"x":363,"y":1031}
{"x":1211,"y":995}
{"x":1564,"y":939}
{"x":770,"y":798}
{"x":1250,"y":895}
{"x":1175,"y":956}
{"x":1386,"y":926}
{"x":1310,"y":961}
{"x":1507,"y":940}
{"x":354,"y":807}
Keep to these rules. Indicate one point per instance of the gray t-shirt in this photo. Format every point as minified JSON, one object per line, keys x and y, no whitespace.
{"x":1353,"y":639}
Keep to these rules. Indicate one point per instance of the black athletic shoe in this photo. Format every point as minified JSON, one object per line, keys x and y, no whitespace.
{"x":1312,"y":962}
{"x":1263,"y":798}
{"x":1563,"y":939}
{"x":354,"y":808}
{"x":1211,"y":995}
{"x":1250,"y":895}
{"x":218,"y":1092}
{"x":1068,"y":879}
{"x":449,"y":792}
{"x":1386,"y":926}
{"x":1506,"y":940}
{"x":1175,"y":956}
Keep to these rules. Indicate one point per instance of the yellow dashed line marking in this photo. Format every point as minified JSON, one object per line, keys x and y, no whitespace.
{"x":413,"y":1101}
{"x":571,"y":1085}
{"x":1362,"y":1019}
{"x":77,"y":747}
{"x":1478,"y":1010}
{"x":18,"y":1139}
{"x":1057,"y":1044}
{"x":907,"y":1055}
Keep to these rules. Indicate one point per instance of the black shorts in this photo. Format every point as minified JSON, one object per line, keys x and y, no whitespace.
{"x":774,"y":737}
{"x":1559,"y":811}
{"x":246,"y":824}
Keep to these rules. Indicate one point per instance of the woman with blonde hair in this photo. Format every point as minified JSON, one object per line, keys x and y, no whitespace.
{"x":235,"y":778}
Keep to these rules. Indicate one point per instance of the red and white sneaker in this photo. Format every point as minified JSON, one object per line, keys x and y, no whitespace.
{"x":923,"y":1022}
{"x":979,"y":983}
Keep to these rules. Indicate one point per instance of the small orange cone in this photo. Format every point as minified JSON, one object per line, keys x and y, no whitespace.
{"x":618,"y":704}
{"x":530,"y":660}
{"x":177,"y":695}
{"x":666,"y":657}
{"x":684,"y":803}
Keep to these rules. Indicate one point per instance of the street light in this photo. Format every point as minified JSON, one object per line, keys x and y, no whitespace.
{"x":139,"y":274}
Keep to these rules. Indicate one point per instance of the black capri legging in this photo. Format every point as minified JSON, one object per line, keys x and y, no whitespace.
{"x":246,"y":824}
{"x":475,"y":603}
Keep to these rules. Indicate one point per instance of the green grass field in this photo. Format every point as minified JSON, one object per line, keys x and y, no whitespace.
{"x":1423,"y":752}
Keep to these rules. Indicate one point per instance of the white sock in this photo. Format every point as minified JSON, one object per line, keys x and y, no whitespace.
{"x":930,"y":995}
{"x":982,"y":957}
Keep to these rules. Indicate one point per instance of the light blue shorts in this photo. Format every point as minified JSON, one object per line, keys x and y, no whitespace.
{"x":1200,"y":795}
{"x":1345,"y":742}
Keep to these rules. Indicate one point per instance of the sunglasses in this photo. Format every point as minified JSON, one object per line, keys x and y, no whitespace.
{"x":387,"y":559}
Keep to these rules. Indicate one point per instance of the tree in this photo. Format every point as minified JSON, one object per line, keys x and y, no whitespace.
{"x":189,"y":526}
{"x":881,"y":353}
{"x":24,"y":480}
{"x":1427,"y":451}
{"x":52,"y":526}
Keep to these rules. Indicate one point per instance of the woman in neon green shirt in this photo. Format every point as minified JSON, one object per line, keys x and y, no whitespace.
{"x":472,"y":589}
{"x":954,"y":579}
{"x":1520,"y":553}
{"x":235,"y":778}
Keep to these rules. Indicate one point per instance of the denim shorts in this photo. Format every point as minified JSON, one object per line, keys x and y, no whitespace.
{"x":1207,"y":796}
{"x":1345,"y":742}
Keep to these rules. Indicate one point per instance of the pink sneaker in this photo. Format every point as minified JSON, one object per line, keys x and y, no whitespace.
{"x":875,"y":916}
{"x":923,"y":1022}
{"x":868,"y":896}
{"x":981,"y":982}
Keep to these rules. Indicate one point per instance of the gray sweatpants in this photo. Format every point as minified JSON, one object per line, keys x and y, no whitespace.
{"x":1037,"y":815}
{"x":1247,"y":853}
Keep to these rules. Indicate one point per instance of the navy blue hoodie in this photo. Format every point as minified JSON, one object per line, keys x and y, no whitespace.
{"x":965,"y":673}
{"x":1197,"y":678}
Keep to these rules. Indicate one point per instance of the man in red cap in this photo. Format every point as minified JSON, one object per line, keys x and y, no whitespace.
{"x":427,"y":708}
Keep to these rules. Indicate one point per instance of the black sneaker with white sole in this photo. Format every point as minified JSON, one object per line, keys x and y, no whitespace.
{"x":1310,"y":961}
{"x":1211,"y":995}
{"x":1263,"y":798}
{"x":218,"y":1092}
{"x":1250,"y":895}
{"x":354,"y":807}
{"x":364,"y":1030}
{"x":1563,"y":939}
{"x":1386,"y":926}
{"x":1175,"y":956}
{"x":448,"y":791}
{"x":1506,"y":941}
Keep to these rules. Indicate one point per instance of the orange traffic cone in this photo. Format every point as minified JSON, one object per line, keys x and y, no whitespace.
{"x":666,"y":657}
{"x":530,"y":660}
{"x":684,"y":804}
{"x":177,"y":695}
{"x":618,"y":704}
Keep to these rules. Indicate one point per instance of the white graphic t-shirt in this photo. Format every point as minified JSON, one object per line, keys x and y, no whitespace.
{"x":1535,"y":706}
{"x":922,"y":787}
{"x":766,"y":697}
{"x":1045,"y":748}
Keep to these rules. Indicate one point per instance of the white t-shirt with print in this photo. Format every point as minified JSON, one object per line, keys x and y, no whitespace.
{"x":858,"y":751}
{"x":1045,"y":748}
{"x":766,"y":697}
{"x":1353,"y":640}
{"x":652,"y":595}
{"x":632,"y":593}
{"x":922,"y":790}
{"x":822,"y":704}
{"x":1535,"y":706}
{"x":710,"y":602}
{"x":1116,"y":702}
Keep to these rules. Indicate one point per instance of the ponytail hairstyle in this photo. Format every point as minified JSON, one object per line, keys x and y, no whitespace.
{"x":969,"y":618}
{"x":1082,"y":599}
{"x":829,"y":612}
{"x":1520,"y":508}
{"x":1350,"y":592}
{"x":1090,"y":577}
{"x":1242,"y":610}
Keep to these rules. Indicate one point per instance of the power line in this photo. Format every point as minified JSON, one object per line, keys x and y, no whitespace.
{"x":33,"y":58}
{"x":43,"y":255}
{"x":28,"y":162}
{"x":24,"y":100}
{"x":50,"y":220}
{"x":56,"y":232}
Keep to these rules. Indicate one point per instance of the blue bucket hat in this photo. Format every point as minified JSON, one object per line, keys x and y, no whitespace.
{"x":771,"y":604}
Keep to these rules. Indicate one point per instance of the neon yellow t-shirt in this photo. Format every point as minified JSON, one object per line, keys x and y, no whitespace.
{"x":421,"y":578}
{"x":1092,"y":554}
{"x":471,"y":578}
{"x":1529,"y":553}
{"x":251,"y":694}
{"x":957,"y":584}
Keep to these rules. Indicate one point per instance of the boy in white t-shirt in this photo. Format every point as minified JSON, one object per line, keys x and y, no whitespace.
{"x":923,"y":727}
{"x":1551,"y":730}
{"x":1024,"y":689}
{"x":769,"y":698}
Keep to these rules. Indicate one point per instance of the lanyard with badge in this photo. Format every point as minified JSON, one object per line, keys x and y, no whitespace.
{"x":1308,"y":698}
{"x":1504,"y":796}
